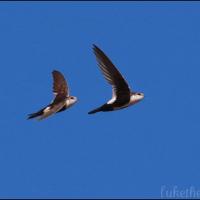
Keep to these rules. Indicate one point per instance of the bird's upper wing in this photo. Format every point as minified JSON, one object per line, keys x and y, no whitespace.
{"x":60,"y":87}
{"x":112,"y":75}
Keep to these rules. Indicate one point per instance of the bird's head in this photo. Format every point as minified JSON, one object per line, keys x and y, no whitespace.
{"x":139,"y":95}
{"x":136,"y":97}
{"x":73,"y":99}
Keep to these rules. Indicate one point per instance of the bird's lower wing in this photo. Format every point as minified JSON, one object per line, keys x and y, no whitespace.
{"x":47,"y":111}
{"x":51,"y":110}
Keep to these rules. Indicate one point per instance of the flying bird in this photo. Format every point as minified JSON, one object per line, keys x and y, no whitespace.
{"x":122,"y":96}
{"x":62,"y":100}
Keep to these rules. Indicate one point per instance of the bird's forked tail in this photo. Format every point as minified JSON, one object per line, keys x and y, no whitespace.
{"x":33,"y":115}
{"x":95,"y":110}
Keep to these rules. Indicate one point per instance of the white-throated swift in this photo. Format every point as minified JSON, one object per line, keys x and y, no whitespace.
{"x":122,"y":96}
{"x":62,"y":100}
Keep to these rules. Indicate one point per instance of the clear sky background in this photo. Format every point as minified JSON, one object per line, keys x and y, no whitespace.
{"x":127,"y":153}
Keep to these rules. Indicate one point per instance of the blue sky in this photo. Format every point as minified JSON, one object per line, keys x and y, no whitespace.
{"x":127,"y":153}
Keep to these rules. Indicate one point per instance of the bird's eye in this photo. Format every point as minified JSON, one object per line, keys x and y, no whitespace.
{"x":71,"y":97}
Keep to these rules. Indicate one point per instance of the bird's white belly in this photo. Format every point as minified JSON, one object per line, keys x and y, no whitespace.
{"x":51,"y":110}
{"x":134,"y":99}
{"x":68,"y":103}
{"x":111,"y":101}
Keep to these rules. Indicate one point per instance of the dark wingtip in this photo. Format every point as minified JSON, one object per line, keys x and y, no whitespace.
{"x":55,"y":71}
{"x":94,"y":111}
{"x":94,"y":46}
{"x":29,"y":117}
{"x":96,"y":49}
{"x":91,"y":112}
{"x":33,"y":115}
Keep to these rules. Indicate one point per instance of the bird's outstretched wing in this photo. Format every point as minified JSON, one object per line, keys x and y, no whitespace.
{"x":61,"y":92}
{"x":121,"y":90}
{"x":47,"y":111}
{"x":60,"y":87}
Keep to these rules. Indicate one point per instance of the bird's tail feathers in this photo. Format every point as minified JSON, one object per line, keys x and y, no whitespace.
{"x":33,"y":115}
{"x":95,"y":110}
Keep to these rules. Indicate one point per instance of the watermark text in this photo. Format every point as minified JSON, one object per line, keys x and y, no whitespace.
{"x":179,"y":192}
